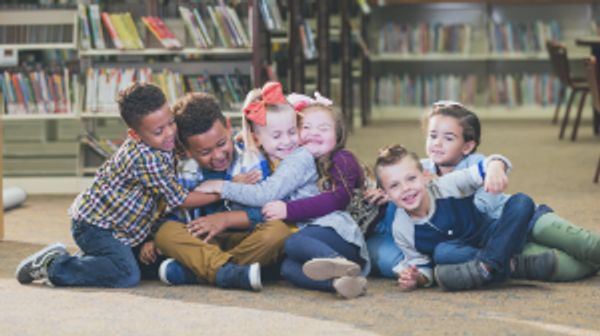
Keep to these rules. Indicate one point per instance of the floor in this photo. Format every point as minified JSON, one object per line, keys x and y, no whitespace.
{"x":555,"y":172}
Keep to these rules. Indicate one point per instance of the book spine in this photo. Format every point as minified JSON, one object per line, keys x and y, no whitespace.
{"x":112,"y":31}
{"x":94,"y":16}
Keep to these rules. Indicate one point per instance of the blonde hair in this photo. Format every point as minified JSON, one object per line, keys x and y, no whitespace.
{"x":248,"y":126}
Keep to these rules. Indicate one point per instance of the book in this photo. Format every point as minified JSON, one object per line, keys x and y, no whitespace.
{"x":193,"y":28}
{"x":96,"y":27}
{"x":131,"y":31}
{"x":84,"y":27}
{"x":112,"y":31}
{"x":162,"y":32}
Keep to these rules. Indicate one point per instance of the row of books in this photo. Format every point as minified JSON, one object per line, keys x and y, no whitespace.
{"x":101,"y":146}
{"x":119,"y":26}
{"x":214,"y":26}
{"x":39,"y":92}
{"x":507,"y":89}
{"x":32,"y":34}
{"x":522,"y":37}
{"x":230,"y":89}
{"x":523,"y":89}
{"x":271,"y":15}
{"x":424,"y":38}
{"x":104,"y":84}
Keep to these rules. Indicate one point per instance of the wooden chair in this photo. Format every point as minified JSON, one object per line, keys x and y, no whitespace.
{"x":591,"y":69}
{"x":560,"y":65}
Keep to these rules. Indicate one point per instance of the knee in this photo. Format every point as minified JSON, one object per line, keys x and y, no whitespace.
{"x":274,"y":233}
{"x":128,"y":276}
{"x":161,"y":237}
{"x":521,"y":202}
{"x":292,"y":243}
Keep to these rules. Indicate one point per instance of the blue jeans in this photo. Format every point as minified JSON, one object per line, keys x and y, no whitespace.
{"x":315,"y":242}
{"x":504,"y":238}
{"x":383,"y":251}
{"x":106,"y":261}
{"x":384,"y":254}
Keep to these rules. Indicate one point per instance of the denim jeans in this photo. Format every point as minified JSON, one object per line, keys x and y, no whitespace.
{"x":106,"y":261}
{"x":384,"y":254}
{"x":315,"y":242}
{"x":504,"y":238}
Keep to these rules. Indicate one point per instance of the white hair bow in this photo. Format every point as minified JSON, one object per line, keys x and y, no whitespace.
{"x":300,"y":101}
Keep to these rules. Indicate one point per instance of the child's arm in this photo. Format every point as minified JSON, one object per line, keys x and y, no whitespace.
{"x":149,"y":252}
{"x":196,"y":199}
{"x":404,"y":232}
{"x":465,"y":182}
{"x":295,"y":171}
{"x":213,"y":224}
{"x":345,"y":173}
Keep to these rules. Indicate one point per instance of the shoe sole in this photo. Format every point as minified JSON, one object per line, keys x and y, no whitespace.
{"x":350,"y":287}
{"x":254,"y":277}
{"x":32,"y":258}
{"x":162,"y":271}
{"x":330,"y":268}
{"x":437,"y":279}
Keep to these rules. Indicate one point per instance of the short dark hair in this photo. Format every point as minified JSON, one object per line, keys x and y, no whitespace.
{"x":139,"y":100}
{"x":467,"y":120}
{"x":196,"y":113}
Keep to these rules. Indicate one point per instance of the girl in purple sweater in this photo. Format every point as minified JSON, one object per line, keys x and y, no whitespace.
{"x":326,"y":255}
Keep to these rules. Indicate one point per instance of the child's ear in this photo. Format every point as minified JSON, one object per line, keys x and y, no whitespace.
{"x":133,"y":134}
{"x":468,"y":147}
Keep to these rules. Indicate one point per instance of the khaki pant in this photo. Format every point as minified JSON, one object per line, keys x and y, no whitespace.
{"x":263,"y":245}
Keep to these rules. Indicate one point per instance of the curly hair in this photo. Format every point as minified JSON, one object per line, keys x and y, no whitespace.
{"x":196,"y":113}
{"x":137,"y":101}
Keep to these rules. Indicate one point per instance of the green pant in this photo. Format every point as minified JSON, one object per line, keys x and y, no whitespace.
{"x":578,"y":249}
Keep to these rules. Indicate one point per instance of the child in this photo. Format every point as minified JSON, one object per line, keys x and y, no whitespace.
{"x":130,"y":191}
{"x":337,"y":248}
{"x":453,"y":135}
{"x":230,"y":238}
{"x":443,"y":211}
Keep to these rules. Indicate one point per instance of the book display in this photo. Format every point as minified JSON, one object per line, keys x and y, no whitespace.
{"x":60,"y":112}
{"x":487,"y":54}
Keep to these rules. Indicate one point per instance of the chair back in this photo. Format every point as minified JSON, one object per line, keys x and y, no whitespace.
{"x":591,"y":71}
{"x":559,"y":61}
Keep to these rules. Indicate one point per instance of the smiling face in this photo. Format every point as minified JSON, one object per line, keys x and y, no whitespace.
{"x":212,"y":149}
{"x":445,"y":144}
{"x":318,"y":131}
{"x":406,"y":186}
{"x":280,"y":135}
{"x":157,"y":129}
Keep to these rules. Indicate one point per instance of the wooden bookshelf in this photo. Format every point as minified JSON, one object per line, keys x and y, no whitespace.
{"x":480,"y":56}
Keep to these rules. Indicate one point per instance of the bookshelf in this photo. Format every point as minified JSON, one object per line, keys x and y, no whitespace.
{"x":49,"y":144}
{"x":340,"y":69}
{"x":481,"y":52}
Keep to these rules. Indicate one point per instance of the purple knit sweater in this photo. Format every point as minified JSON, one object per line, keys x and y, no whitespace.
{"x":346,"y":175}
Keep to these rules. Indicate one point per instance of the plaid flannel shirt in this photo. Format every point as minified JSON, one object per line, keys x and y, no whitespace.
{"x":131,"y":190}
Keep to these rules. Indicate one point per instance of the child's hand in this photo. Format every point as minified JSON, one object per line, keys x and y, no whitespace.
{"x":275,"y":210}
{"x":376,"y":196}
{"x":250,"y":177}
{"x":408,"y":278}
{"x":149,"y":253}
{"x":496,"y":180}
{"x":208,"y":226}
{"x":210,"y":187}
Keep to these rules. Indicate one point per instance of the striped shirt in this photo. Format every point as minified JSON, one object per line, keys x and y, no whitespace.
{"x":130,"y":191}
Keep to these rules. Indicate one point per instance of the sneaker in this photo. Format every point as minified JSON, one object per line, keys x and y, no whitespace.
{"x":174,"y":273}
{"x":350,"y":287}
{"x":534,"y":267}
{"x":239,"y":276}
{"x":330,"y":268}
{"x":35,"y":267}
{"x":457,"y":277}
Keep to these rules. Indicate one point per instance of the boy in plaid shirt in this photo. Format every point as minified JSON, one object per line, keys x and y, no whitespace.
{"x":130,"y":191}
